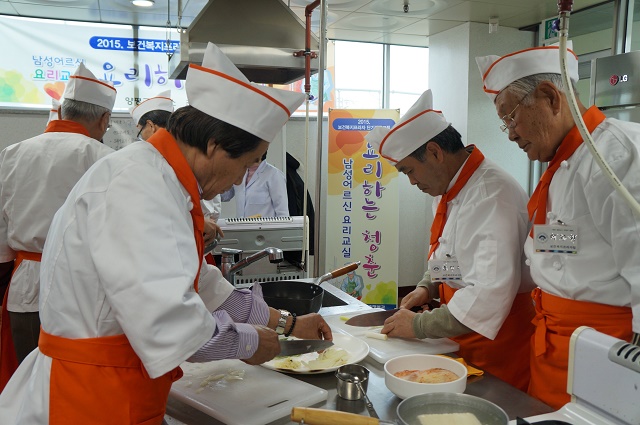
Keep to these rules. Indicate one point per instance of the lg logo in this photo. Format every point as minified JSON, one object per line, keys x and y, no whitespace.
{"x":615,"y":79}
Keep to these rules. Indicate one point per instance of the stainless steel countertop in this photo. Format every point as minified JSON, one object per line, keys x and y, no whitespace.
{"x":512,"y":400}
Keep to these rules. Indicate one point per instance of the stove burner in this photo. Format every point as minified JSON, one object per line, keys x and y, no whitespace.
{"x":520,"y":421}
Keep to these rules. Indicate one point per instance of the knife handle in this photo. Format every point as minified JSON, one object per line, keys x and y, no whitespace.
{"x":344,"y":270}
{"x":313,"y":416}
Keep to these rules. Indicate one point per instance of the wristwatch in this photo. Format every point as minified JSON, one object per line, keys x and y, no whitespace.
{"x":282,"y":322}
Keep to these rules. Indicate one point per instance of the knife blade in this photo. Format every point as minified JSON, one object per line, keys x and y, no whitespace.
{"x":302,"y":346}
{"x":376,"y":318}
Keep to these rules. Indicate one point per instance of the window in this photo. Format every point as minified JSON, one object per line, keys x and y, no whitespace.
{"x":360,"y":73}
{"x":409,"y":76}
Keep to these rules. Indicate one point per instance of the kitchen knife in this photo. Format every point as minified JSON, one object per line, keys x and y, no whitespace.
{"x":291,"y":347}
{"x":376,"y":318}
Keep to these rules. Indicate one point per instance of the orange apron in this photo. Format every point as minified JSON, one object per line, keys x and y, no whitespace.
{"x":556,"y":319}
{"x":102,"y":380}
{"x":8,"y":357}
{"x":507,"y":356}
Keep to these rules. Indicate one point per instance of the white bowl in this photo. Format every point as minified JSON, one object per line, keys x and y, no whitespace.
{"x":403,"y":388}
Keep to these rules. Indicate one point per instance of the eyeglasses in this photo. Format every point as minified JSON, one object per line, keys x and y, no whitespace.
{"x":140,"y":132}
{"x":108,"y":126}
{"x":508,"y":122}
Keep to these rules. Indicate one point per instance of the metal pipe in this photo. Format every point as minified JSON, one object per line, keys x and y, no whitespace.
{"x":307,"y":46}
{"x":318,"y":194}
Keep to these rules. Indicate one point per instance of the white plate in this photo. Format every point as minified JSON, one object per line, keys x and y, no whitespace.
{"x":356,"y":348}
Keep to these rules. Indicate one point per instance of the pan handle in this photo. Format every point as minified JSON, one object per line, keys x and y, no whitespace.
{"x":313,"y":416}
{"x":338,"y":272}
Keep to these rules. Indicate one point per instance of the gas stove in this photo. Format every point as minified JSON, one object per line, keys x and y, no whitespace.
{"x":604,"y":383}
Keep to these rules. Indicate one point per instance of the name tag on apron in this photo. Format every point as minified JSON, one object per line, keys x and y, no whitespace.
{"x":557,"y":238}
{"x":444,"y":270}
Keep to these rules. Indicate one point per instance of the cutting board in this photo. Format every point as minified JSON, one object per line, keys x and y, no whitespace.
{"x":380,"y":350}
{"x":260,"y":397}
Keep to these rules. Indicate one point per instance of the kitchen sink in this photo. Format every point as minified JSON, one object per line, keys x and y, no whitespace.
{"x":330,"y":300}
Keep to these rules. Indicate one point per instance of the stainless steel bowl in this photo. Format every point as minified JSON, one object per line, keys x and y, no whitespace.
{"x":433,"y":403}
{"x":347,"y":388}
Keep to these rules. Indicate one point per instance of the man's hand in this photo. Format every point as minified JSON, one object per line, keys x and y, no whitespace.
{"x":312,"y":326}
{"x":417,"y":297}
{"x":211,"y":230}
{"x":400,"y":325}
{"x":268,"y":346}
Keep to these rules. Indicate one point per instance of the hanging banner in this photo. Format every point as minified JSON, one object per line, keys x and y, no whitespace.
{"x":362,"y":207}
{"x":38,"y":66}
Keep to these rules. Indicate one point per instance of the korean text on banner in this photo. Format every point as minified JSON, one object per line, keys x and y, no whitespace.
{"x":362,"y":207}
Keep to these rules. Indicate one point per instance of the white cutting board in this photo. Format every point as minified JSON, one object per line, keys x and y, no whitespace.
{"x":262,"y":396}
{"x":381,"y":350}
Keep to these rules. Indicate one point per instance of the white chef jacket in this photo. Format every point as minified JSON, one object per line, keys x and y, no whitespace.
{"x":606,"y":268}
{"x":266,"y":193}
{"x":36,"y":175}
{"x":121,"y":258}
{"x":487,"y":223}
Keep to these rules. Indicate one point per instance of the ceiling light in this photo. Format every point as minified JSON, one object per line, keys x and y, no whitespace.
{"x":143,"y":3}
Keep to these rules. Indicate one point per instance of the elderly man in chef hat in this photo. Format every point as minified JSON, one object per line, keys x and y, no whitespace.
{"x":479,"y":226}
{"x":126,"y":296}
{"x":36,"y":175}
{"x":152,"y":114}
{"x":595,"y":283}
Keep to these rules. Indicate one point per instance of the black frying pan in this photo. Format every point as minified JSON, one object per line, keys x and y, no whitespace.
{"x":300,"y":297}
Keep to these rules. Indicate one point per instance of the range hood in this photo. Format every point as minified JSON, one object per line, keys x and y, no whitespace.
{"x":259,"y":36}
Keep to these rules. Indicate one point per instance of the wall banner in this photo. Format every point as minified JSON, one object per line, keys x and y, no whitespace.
{"x":36,"y":67}
{"x":362,"y":207}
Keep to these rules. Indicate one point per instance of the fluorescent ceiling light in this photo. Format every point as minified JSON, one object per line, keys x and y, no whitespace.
{"x":143,"y":3}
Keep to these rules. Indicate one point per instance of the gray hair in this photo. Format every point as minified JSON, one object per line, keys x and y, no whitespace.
{"x":525,"y":85}
{"x":78,"y":110}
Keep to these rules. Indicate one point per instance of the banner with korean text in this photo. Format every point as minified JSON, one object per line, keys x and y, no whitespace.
{"x":362,"y":207}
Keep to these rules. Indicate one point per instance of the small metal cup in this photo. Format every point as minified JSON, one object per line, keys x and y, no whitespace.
{"x":348,"y":389}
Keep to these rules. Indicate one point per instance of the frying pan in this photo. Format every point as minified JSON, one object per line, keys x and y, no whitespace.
{"x":300,"y":297}
{"x":436,"y":403}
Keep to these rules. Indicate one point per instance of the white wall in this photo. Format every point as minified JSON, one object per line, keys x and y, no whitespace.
{"x":18,"y":126}
{"x":457,"y":89}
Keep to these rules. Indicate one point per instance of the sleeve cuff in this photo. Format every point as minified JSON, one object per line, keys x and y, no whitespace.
{"x":438,"y":323}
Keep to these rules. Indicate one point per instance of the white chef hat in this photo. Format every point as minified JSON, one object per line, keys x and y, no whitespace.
{"x":53,"y":112}
{"x":85,"y":87}
{"x":419,"y":125}
{"x":160,"y":102}
{"x":498,"y":72}
{"x":219,"y":89}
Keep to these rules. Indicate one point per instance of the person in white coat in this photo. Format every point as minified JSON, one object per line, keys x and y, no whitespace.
{"x":125,"y":296}
{"x":595,"y":283}
{"x":36,"y":175}
{"x":262,"y":193}
{"x":480,"y":223}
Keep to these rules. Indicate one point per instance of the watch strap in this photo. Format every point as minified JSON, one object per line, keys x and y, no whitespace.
{"x":282,"y":322}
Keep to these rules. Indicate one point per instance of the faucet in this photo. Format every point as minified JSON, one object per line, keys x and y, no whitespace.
{"x":230,"y":267}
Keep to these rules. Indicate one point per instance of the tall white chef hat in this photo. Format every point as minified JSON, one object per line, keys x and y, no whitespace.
{"x":162,"y":102}
{"x":53,"y":112}
{"x":419,"y":125}
{"x":85,"y":87}
{"x":219,"y":89}
{"x":498,"y":72}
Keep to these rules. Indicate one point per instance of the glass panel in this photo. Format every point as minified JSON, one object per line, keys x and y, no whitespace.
{"x":409,"y":76}
{"x":358,"y":74}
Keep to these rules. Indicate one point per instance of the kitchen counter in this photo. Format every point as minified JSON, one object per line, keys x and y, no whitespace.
{"x":514,"y":402}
